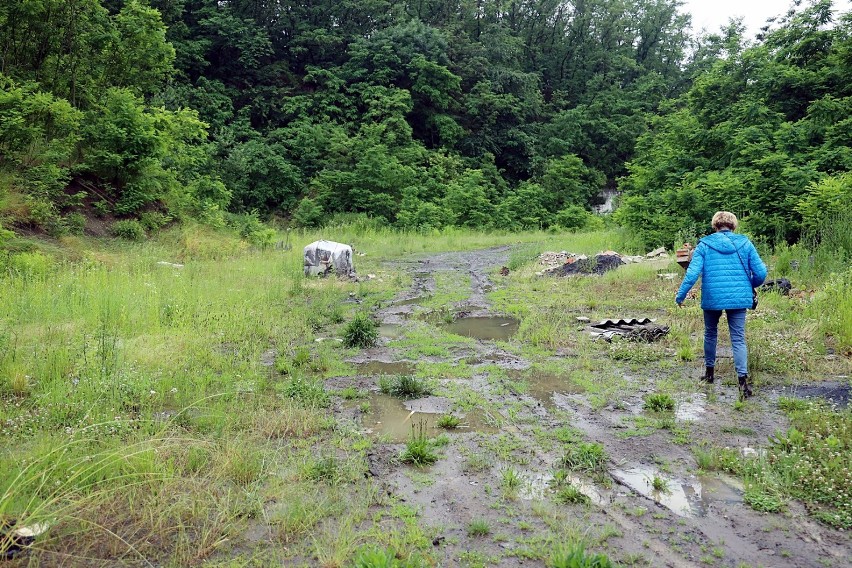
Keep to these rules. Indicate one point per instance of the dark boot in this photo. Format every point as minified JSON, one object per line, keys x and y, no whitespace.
{"x":708,"y":375}
{"x":745,"y":390}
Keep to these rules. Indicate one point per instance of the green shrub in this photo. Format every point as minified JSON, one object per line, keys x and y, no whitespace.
{"x":128,"y":229}
{"x":76,"y":223}
{"x":153,"y":220}
{"x":361,"y":332}
{"x":659,"y":402}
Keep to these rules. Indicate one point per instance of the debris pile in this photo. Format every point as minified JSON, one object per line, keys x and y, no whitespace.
{"x":641,"y":330}
{"x":325,"y":257}
{"x":567,"y":263}
{"x":15,"y":539}
{"x":780,"y":285}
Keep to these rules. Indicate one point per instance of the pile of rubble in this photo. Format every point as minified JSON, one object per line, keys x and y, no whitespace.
{"x":566,"y":263}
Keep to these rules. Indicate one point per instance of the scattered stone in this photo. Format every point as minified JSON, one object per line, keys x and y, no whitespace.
{"x":749,"y":452}
{"x":583,"y":319}
{"x":322,"y":339}
{"x":667,"y":275}
{"x":656,"y":252}
{"x":169,"y":264}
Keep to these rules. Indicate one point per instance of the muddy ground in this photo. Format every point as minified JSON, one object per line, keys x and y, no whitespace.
{"x":700,"y":520}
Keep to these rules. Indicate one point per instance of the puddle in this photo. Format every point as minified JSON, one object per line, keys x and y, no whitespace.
{"x":674,"y":498}
{"x":546,"y":387}
{"x":693,"y":497}
{"x":691,"y":409}
{"x":393,"y":418}
{"x":487,"y":328}
{"x":835,"y":393}
{"x":539,"y":487}
{"x":718,"y":490}
{"x":391,"y":330}
{"x":386,"y":368}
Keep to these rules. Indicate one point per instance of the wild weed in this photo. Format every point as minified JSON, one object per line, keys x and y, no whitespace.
{"x":575,"y":556}
{"x":361,"y":332}
{"x":510,"y":480}
{"x":659,"y":484}
{"x":351,"y":393}
{"x":570,"y":495}
{"x":373,"y":557}
{"x":419,"y":448}
{"x":478,"y":527}
{"x":326,"y":469}
{"x":659,"y":402}
{"x":309,"y":392}
{"x":449,"y":422}
{"x":586,"y":457}
{"x":404,"y":386}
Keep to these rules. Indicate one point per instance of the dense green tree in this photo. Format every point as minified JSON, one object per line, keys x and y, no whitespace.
{"x":753,"y":133}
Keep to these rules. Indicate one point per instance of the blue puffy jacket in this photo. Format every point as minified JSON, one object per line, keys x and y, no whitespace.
{"x":725,"y":285}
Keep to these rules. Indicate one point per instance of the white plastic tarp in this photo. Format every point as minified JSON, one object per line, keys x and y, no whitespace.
{"x":322,"y":257}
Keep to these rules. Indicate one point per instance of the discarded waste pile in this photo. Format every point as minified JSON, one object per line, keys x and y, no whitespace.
{"x":568,"y":264}
{"x":641,"y":330}
{"x":14,"y":539}
{"x":325,"y":257}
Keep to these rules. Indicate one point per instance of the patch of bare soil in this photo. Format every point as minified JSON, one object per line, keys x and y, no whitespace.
{"x":695,"y":519}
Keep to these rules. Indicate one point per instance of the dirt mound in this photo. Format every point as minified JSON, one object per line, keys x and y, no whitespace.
{"x":598,"y":264}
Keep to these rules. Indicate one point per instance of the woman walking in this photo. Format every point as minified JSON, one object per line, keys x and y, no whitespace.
{"x":730,"y":269}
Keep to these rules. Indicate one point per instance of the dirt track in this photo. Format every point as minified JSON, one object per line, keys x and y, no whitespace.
{"x":699,"y":521}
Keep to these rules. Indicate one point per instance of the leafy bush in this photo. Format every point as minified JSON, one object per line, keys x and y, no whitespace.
{"x":308,"y":213}
{"x":129,"y":229}
{"x":76,"y":223}
{"x":153,"y":220}
{"x":361,"y":332}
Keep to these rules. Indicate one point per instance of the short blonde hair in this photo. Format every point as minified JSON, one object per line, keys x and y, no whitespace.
{"x":724,"y":220}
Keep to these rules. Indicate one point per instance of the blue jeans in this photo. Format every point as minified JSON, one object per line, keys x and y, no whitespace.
{"x":736,"y":326}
